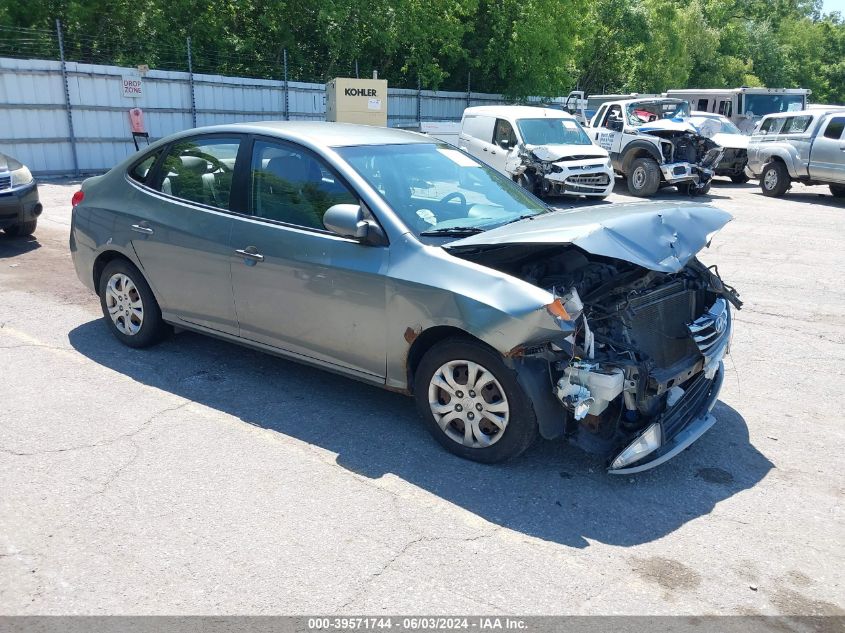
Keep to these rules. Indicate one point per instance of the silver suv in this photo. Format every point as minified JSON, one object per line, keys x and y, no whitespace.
{"x":807,"y":146}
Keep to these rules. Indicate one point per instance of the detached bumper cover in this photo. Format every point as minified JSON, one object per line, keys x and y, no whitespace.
{"x":683,"y":424}
{"x":19,"y":205}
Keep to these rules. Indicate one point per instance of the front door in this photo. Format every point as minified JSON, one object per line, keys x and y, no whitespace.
{"x":297,"y":286}
{"x":827,"y":159}
{"x":180,"y":230}
{"x":504,"y":140}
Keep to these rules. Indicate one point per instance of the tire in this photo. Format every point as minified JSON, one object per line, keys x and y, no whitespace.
{"x":838,"y":191}
{"x":643,"y":177}
{"x":22,"y":229}
{"x":690,"y":189}
{"x":481,"y":441}
{"x":741,"y":178}
{"x":774,"y":179}
{"x":137,"y":321}
{"x":527,"y":182}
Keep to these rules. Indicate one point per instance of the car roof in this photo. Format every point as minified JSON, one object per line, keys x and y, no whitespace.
{"x":321,"y":133}
{"x":709,"y":115}
{"x":777,"y":115}
{"x":627,"y":102}
{"x":517,"y":112}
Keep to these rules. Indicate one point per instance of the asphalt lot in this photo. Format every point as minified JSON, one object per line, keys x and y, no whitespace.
{"x":203,"y":478}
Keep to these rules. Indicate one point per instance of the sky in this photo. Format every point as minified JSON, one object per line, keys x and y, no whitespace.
{"x":834,"y":5}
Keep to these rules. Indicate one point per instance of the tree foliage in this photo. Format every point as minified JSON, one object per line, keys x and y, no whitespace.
{"x":517,"y":47}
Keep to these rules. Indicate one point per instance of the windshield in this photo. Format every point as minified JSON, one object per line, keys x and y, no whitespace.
{"x":760,"y":105}
{"x":646,"y":111}
{"x":435,"y":187}
{"x":548,"y":131}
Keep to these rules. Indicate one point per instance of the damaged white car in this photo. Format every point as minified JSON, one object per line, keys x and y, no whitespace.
{"x":652,"y":144}
{"x":545,"y":150}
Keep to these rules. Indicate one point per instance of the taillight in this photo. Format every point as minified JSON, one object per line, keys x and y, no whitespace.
{"x":77,"y":198}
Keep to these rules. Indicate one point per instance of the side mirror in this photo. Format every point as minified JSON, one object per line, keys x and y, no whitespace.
{"x":346,"y":220}
{"x":616,"y":125}
{"x":503,"y":143}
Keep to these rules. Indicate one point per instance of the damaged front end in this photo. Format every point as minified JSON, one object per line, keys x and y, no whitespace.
{"x":640,"y":368}
{"x":552,"y":170}
{"x":688,"y":157}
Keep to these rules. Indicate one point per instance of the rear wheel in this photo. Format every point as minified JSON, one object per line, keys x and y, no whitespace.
{"x":131,"y":310}
{"x":472,"y":403}
{"x":643,"y":177}
{"x":838,"y":191}
{"x":774,"y":181}
{"x":19,"y":230}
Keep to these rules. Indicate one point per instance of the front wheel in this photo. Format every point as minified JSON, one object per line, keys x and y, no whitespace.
{"x":692,"y":189}
{"x":643,"y":177}
{"x":774,"y":181}
{"x":472,"y":403}
{"x":131,"y":310}
{"x":740,"y":178}
{"x":838,"y":191}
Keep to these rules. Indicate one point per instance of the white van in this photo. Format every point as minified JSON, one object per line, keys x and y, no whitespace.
{"x":543,"y":149}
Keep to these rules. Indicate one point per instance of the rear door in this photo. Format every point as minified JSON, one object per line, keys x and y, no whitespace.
{"x":477,"y":135}
{"x":827,"y":158}
{"x":180,"y":228}
{"x":297,"y":286}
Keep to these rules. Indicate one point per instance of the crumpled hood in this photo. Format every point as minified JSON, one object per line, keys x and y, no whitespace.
{"x":554,"y":153}
{"x":655,"y":235}
{"x":667,"y":125}
{"x":7,"y":163}
{"x":731,"y":141}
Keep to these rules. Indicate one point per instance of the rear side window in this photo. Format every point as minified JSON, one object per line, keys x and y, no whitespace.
{"x":200,"y":170}
{"x":703,"y":105}
{"x":725,"y":108}
{"x":835,"y":127}
{"x":290,"y":185}
{"x":141,"y":171}
{"x":796,"y":124}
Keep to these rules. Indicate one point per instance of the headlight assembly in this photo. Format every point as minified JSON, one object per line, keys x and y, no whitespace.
{"x":21,"y":176}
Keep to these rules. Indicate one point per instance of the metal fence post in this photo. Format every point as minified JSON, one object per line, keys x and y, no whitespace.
{"x":419,"y":101}
{"x":68,"y":109}
{"x":287,"y":96}
{"x":469,"y":87}
{"x":191,"y":81}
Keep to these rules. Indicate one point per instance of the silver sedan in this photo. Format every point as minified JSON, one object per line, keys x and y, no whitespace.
{"x":403,"y":262}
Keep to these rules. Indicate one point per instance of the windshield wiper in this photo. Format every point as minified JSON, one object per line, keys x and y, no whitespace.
{"x":522,"y":217}
{"x":454,"y":230}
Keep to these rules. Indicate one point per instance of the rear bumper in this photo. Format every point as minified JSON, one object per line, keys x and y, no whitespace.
{"x":681,"y":425}
{"x":19,"y":205}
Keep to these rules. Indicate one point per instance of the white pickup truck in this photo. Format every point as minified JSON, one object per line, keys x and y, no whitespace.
{"x":806,"y":146}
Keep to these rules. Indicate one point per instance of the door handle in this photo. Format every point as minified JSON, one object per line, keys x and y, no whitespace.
{"x":483,"y":149}
{"x":492,"y":151}
{"x":251,"y":253}
{"x":142,"y":228}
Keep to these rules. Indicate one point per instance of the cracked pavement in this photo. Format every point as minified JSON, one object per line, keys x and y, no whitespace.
{"x":199,"y":477}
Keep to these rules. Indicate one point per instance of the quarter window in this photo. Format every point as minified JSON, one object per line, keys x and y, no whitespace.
{"x":291,"y":186}
{"x":141,"y":170}
{"x":771,"y":125}
{"x":200,"y":170}
{"x":835,"y":128}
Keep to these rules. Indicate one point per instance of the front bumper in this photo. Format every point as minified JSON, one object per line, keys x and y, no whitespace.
{"x":674,"y":173}
{"x":19,"y":205}
{"x":682,"y":424}
{"x":582,"y":178}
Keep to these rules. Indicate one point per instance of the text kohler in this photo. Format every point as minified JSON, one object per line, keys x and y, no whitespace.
{"x":359,"y":92}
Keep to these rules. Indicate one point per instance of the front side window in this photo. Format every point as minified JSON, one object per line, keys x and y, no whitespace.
{"x":290,"y":185}
{"x":647,"y":111}
{"x":503,"y":135}
{"x":140,"y":172}
{"x":835,"y":128}
{"x":438,"y":190}
{"x":771,"y":125}
{"x":200,"y":170}
{"x":549,"y":131}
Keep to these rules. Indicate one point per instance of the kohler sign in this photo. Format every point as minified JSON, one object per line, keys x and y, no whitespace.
{"x":359,"y":92}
